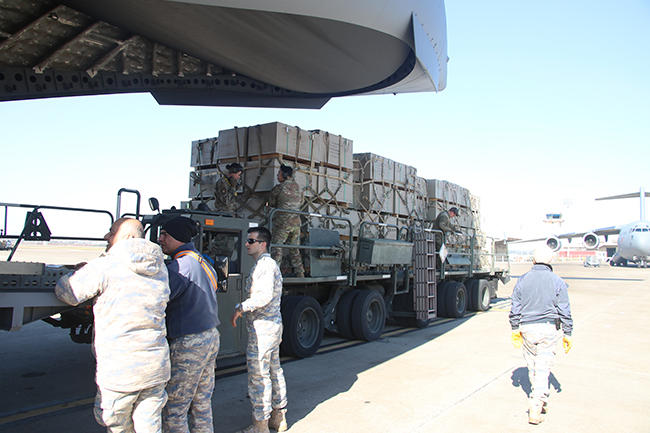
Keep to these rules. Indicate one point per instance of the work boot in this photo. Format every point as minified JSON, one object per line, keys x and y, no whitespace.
{"x":535,"y":412}
{"x":258,"y":427}
{"x":278,"y":420}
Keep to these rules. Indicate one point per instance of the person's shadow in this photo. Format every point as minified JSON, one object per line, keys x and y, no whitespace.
{"x":520,"y":380}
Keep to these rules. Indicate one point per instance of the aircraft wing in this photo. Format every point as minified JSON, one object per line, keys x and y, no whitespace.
{"x":605,"y":231}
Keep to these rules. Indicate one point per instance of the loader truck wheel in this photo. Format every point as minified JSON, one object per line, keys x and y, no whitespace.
{"x":368,"y":315}
{"x":344,"y":314}
{"x":441,"y":300}
{"x":302,"y":317}
{"x":483,"y":297}
{"x":471,"y":285}
{"x":455,"y":299}
{"x":478,"y":295}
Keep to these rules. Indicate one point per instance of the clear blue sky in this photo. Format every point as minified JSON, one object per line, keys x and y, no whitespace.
{"x":545,"y":101}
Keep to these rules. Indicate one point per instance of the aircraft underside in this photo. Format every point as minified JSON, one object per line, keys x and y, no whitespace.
{"x":220,"y":52}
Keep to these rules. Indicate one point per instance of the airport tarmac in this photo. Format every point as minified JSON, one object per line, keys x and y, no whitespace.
{"x":454,"y":376}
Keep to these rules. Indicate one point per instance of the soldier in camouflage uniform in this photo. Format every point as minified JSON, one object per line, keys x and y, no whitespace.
{"x":540,"y":302}
{"x":192,"y":319}
{"x":266,"y":385}
{"x":286,"y":226}
{"x":225,"y":189}
{"x":131,"y":288}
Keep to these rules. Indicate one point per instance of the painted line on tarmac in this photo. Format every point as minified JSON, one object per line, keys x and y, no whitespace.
{"x":46,"y":410}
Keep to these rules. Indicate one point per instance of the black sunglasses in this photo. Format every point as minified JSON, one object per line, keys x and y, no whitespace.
{"x":252,"y":241}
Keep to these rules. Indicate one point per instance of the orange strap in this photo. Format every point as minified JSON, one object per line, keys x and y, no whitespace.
{"x":206,"y":267}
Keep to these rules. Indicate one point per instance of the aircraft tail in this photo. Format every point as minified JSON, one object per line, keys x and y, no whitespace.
{"x":641,"y":194}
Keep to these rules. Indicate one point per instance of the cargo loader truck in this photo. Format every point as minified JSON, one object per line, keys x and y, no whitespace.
{"x":367,"y":241}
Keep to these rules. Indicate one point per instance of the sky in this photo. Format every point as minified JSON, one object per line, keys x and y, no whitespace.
{"x":547,"y":107}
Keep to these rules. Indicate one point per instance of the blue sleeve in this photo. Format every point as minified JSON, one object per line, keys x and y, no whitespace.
{"x":177,"y":282}
{"x":515,"y":308}
{"x":563,"y":306}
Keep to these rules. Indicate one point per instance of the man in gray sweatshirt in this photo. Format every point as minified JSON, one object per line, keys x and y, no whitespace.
{"x":540,"y":303}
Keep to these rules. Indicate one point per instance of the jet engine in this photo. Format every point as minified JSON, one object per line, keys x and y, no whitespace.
{"x":590,"y":241}
{"x":554,"y":243}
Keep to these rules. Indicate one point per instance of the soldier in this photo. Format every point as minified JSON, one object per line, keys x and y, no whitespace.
{"x":286,"y":226}
{"x":192,"y":319}
{"x":540,"y":302}
{"x":131,"y":288}
{"x":443,"y":220}
{"x":266,"y":385}
{"x":225,"y":189}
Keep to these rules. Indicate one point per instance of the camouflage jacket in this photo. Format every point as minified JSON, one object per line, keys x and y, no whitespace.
{"x":224,"y":196}
{"x":442,"y":222}
{"x":131,"y":288}
{"x":286,"y":195}
{"x":264,"y":290}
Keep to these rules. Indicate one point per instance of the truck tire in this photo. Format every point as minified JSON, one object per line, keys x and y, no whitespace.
{"x":441,"y":296}
{"x":471,"y":285}
{"x":344,"y":314}
{"x":303,"y":326}
{"x":368,"y":315}
{"x":455,"y":300}
{"x":483,"y":296}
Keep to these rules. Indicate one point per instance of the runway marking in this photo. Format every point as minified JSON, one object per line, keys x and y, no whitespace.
{"x":46,"y":410}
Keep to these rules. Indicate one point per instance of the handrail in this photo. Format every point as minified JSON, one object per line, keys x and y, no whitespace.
{"x":119,"y":202}
{"x":309,"y":247}
{"x":35,"y":208}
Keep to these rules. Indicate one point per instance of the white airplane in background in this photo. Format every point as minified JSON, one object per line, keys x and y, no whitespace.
{"x":633,"y":238}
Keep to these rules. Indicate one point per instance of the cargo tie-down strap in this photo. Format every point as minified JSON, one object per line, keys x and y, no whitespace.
{"x":206,"y":267}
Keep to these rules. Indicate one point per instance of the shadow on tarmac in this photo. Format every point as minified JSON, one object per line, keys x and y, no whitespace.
{"x":313,"y":381}
{"x":520,"y":380}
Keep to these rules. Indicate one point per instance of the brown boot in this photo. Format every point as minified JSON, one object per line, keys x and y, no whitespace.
{"x":278,"y":420}
{"x":535,"y":412}
{"x":258,"y":427}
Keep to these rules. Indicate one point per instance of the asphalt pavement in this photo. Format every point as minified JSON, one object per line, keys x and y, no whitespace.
{"x":454,"y":376}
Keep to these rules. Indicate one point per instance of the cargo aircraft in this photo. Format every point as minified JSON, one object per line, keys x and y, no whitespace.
{"x":244,"y":53}
{"x":633,"y":238}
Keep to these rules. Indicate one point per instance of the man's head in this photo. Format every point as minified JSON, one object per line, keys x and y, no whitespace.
{"x":258,"y":241}
{"x":285,"y":173}
{"x":543,"y":254}
{"x":123,"y":228}
{"x":453,"y":212}
{"x":176,"y":232}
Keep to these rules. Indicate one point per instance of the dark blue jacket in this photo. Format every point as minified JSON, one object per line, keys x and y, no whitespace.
{"x":192,"y":304}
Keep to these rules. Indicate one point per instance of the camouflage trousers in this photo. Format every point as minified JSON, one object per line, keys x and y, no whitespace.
{"x":288,"y":234}
{"x":267,"y":388}
{"x":128,"y":412}
{"x":194,"y":359}
{"x":539,"y":341}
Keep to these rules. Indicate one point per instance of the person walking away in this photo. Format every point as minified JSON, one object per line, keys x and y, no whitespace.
{"x":286,"y":226}
{"x":266,"y":385}
{"x":130,"y":287}
{"x":540,"y":303}
{"x":192,"y":320}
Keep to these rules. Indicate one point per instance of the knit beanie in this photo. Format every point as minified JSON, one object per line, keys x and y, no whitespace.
{"x":181,"y":228}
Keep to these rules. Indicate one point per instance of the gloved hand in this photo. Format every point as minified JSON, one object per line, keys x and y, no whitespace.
{"x":567,"y":342}
{"x":516,"y":339}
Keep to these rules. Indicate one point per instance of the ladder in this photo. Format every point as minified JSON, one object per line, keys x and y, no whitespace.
{"x":424,"y":301}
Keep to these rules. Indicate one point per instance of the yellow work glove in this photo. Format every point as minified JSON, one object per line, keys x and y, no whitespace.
{"x":567,"y":342}
{"x":516,"y":339}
